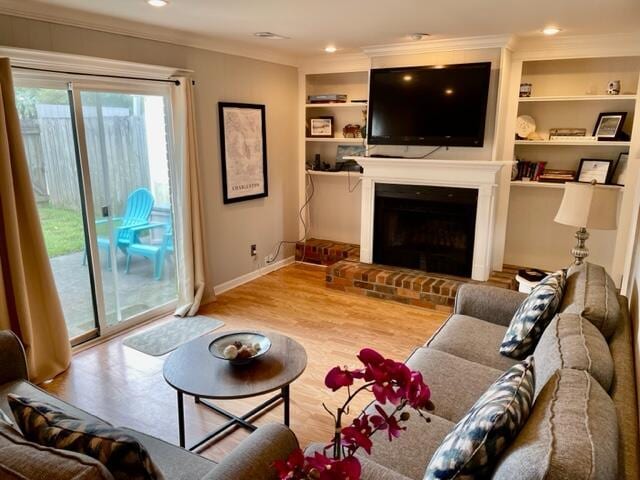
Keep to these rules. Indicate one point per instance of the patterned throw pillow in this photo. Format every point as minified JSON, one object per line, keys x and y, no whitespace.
{"x":533,"y":316}
{"x":475,"y":443}
{"x":122,"y":454}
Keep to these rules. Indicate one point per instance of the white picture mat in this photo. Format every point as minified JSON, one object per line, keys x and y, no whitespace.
{"x":594,"y":170}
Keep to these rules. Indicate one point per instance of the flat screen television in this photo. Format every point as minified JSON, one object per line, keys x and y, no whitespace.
{"x":435,"y":105}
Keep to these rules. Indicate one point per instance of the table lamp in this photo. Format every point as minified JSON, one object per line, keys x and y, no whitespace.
{"x":588,"y":205}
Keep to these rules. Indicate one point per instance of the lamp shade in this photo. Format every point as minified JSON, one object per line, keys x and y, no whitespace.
{"x":590,"y":206}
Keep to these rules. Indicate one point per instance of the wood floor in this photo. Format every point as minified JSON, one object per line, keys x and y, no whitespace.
{"x":126,"y":387}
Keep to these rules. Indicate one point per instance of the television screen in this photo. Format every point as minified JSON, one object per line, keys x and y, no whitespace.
{"x":436,"y":105}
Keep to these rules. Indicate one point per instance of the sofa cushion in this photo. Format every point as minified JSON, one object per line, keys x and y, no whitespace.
{"x":572,"y":433}
{"x":591,"y":293}
{"x":455,"y":383}
{"x":123,"y":456}
{"x":533,"y":316}
{"x":410,"y":453}
{"x":21,"y":459}
{"x":571,"y":341}
{"x":473,"y":447}
{"x":472,"y":339}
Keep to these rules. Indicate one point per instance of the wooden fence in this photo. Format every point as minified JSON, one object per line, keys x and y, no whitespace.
{"x":52,"y":161}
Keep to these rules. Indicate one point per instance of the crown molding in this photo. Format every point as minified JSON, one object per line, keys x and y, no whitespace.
{"x":45,"y":60}
{"x":440,"y":45}
{"x":577,"y":46}
{"x":335,"y":63}
{"x":103,"y":23}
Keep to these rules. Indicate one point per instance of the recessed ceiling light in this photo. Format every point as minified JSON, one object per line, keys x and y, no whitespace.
{"x":418,"y":36}
{"x":551,"y":30}
{"x":407,"y":78}
{"x":270,"y":36}
{"x":330,"y":49}
{"x":157,"y":3}
{"x":448,"y":91}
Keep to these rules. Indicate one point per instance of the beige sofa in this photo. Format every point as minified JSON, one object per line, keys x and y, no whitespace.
{"x":584,"y":423}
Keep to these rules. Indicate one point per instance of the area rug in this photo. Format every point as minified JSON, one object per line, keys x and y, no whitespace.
{"x":164,"y":338}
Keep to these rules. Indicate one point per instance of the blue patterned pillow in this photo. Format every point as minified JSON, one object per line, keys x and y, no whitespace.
{"x":533,"y":316}
{"x":474,"y":445}
{"x":122,"y":454}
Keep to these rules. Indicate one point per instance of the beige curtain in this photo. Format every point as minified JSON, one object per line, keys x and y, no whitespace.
{"x":188,"y":215}
{"x":29,"y":303}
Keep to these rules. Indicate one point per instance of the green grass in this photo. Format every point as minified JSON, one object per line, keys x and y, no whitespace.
{"x":63,"y":230}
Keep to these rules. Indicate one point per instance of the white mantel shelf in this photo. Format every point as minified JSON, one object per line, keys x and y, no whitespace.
{"x":481,"y":175}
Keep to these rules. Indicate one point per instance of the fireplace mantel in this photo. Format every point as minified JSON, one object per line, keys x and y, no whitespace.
{"x":483,"y":175}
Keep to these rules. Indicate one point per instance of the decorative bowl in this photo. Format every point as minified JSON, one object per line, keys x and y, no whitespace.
{"x":218,"y":346}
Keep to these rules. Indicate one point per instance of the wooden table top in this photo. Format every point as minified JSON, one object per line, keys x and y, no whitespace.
{"x":193,"y":370}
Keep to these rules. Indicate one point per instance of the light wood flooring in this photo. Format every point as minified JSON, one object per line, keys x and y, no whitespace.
{"x":126,"y":387}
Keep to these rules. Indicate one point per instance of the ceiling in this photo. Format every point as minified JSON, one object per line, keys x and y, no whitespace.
{"x":353,"y":24}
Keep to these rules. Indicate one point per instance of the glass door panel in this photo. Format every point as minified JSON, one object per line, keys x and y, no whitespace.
{"x":47,"y":133}
{"x":125,"y":138}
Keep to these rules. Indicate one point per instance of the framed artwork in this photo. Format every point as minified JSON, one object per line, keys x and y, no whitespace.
{"x":243,"y":145}
{"x":619,"y":170}
{"x":592,"y":169}
{"x":609,"y":125}
{"x":321,"y":127}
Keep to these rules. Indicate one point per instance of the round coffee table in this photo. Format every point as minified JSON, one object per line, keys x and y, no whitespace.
{"x":193,"y":370}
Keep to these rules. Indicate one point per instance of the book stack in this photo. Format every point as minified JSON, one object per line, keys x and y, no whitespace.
{"x":530,"y":171}
{"x":557,"y":176}
{"x":327,"y":98}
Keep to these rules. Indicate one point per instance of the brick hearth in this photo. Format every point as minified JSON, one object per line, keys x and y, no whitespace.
{"x":326,"y":252}
{"x":398,"y":284}
{"x":415,"y":287}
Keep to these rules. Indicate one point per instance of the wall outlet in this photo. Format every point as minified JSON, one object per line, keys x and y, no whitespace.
{"x":268,"y":259}
{"x":254,"y":250}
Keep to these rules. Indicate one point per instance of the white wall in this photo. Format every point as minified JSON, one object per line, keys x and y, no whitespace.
{"x":229,"y":229}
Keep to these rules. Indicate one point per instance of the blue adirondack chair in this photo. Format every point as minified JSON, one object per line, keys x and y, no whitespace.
{"x":154,"y":252}
{"x":136,"y":214}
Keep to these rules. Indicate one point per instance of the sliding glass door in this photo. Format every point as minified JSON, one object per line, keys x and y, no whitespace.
{"x":99,"y":158}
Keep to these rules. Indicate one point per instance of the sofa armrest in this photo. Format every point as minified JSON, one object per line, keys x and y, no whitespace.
{"x":492,"y":304}
{"x":371,"y":470}
{"x":255,"y":456}
{"x":13,"y":362}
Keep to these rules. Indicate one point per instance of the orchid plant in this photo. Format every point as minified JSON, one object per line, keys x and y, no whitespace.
{"x":391,"y":383}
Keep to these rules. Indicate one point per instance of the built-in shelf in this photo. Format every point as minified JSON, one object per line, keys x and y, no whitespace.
{"x":320,"y":173}
{"x":574,"y":143}
{"x":530,"y":184}
{"x":337,"y":105}
{"x":336,"y":140}
{"x":577,"y":98}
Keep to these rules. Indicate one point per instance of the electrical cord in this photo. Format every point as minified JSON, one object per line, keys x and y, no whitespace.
{"x":272,"y":257}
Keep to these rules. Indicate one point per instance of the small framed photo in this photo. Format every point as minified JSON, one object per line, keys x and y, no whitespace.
{"x":592,"y":169}
{"x":321,"y":127}
{"x":619,"y":170}
{"x":609,"y":125}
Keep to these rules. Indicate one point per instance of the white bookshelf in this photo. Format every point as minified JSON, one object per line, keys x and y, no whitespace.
{"x":579,"y":98}
{"x":335,"y":140}
{"x":546,"y":185}
{"x":575,"y":143}
{"x":362,"y":106}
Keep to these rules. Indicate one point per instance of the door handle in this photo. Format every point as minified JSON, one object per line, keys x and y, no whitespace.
{"x":105,"y":211}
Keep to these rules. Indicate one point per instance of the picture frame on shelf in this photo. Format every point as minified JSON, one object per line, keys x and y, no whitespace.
{"x":591,"y":169}
{"x":619,"y":170}
{"x":243,"y":145}
{"x":609,"y":125}
{"x":321,"y":127}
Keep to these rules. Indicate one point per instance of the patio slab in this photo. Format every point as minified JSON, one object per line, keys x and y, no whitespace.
{"x":139,"y":291}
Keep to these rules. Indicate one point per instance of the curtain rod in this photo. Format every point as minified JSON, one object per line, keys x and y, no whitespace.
{"x":175,"y":82}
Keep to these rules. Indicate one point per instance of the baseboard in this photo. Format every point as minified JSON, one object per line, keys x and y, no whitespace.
{"x":241,"y":280}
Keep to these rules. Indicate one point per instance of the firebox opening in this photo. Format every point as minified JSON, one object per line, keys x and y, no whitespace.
{"x":425,"y":228}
